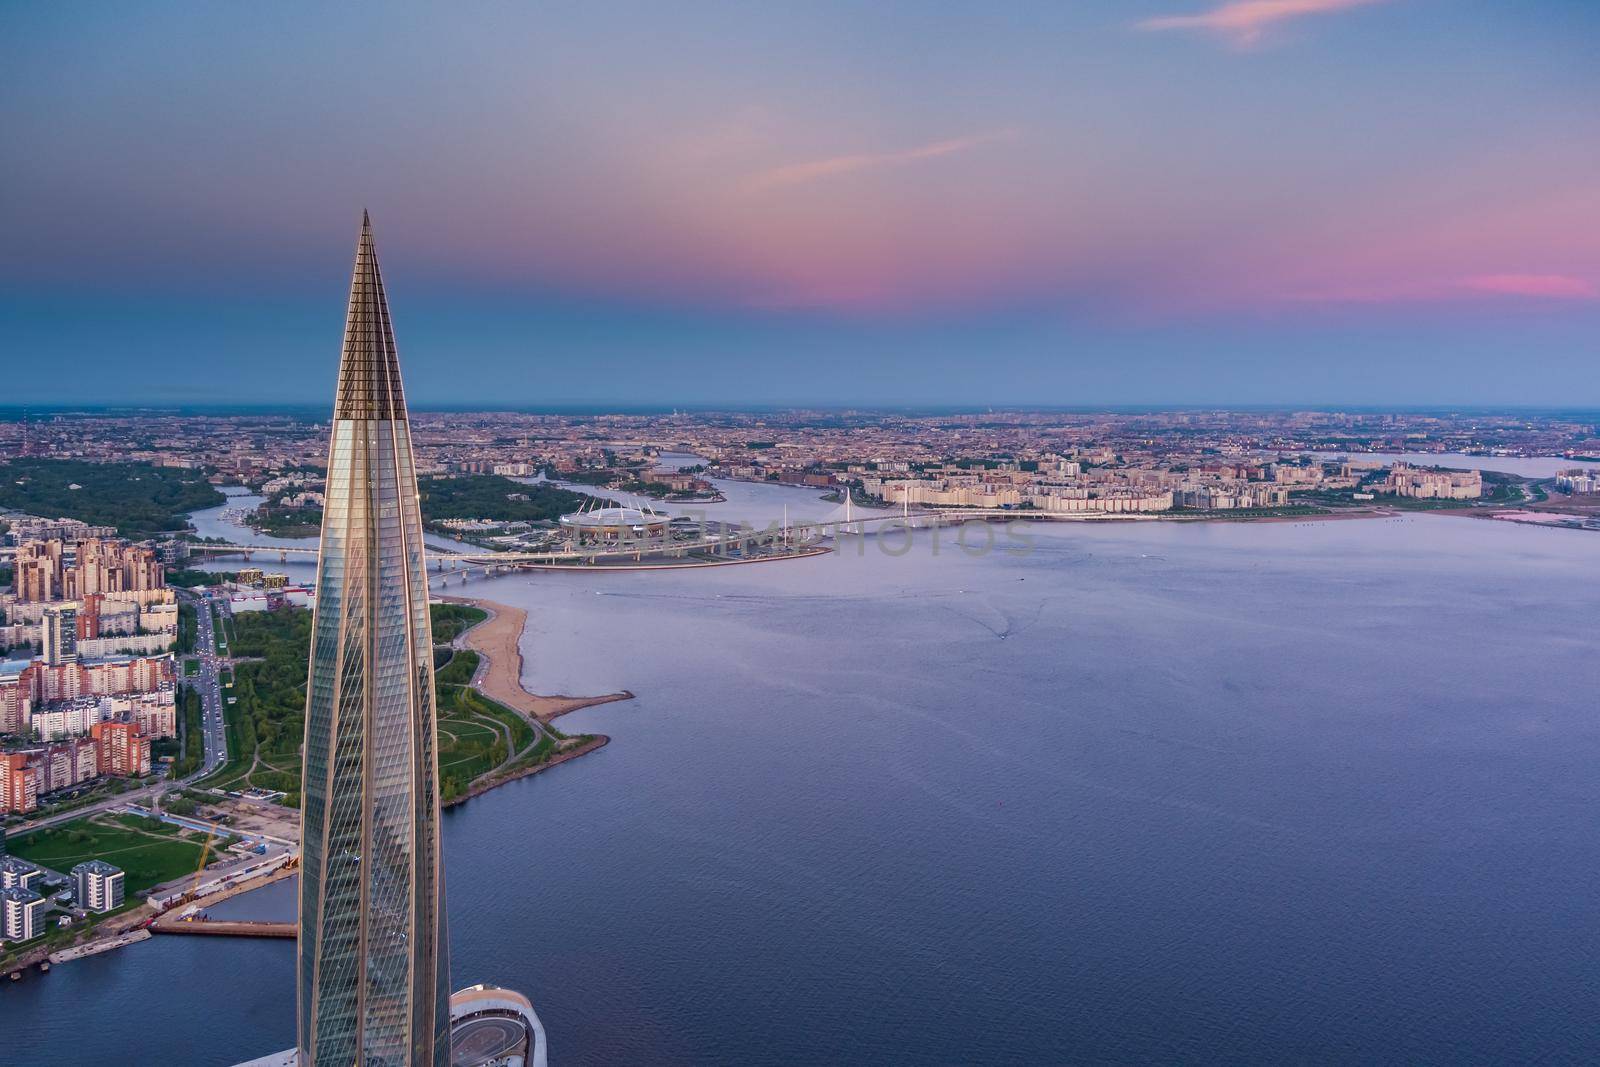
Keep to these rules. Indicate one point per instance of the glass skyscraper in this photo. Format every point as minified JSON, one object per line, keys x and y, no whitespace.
{"x":374,"y":965}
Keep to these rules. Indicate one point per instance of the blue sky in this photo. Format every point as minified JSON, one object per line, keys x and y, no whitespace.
{"x":1172,"y":201}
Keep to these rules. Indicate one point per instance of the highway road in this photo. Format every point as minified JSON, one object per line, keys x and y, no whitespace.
{"x":210,"y":687}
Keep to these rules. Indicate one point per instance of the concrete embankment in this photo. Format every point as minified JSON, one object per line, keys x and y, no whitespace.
{"x":94,"y":948}
{"x":483,"y":785}
{"x":168,"y":924}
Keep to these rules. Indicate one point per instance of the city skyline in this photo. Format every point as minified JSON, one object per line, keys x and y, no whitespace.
{"x":916,"y":532}
{"x":1153,"y":203}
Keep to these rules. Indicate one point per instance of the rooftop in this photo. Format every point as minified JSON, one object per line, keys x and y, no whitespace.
{"x":96,"y":867}
{"x":618,"y":516}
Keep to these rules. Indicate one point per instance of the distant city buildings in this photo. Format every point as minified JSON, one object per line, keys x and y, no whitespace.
{"x":282,"y":456}
{"x":1055,"y":484}
{"x":32,"y":528}
{"x":1579,"y":480}
{"x":1408,"y":481}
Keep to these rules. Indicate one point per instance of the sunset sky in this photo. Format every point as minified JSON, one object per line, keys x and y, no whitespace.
{"x":1381,"y":202}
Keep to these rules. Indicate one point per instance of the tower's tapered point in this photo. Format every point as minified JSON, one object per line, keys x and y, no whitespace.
{"x":369,"y":370}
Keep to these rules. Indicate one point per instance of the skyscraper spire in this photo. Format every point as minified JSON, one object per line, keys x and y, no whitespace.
{"x":369,"y":370}
{"x":373,"y":960}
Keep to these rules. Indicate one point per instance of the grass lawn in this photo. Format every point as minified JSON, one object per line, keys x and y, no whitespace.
{"x":264,"y":728}
{"x":450,"y":620}
{"x":472,"y":739}
{"x":149,"y":857}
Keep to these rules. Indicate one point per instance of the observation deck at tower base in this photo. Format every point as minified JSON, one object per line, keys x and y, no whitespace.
{"x":489,"y":1027}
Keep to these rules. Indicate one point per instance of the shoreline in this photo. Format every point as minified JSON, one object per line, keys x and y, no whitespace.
{"x":603,"y":568}
{"x":169,"y":922}
{"x":97,"y":941}
{"x":497,"y":641}
{"x":494,"y":780}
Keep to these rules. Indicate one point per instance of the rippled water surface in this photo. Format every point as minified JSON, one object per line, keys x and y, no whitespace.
{"x":1251,"y":793}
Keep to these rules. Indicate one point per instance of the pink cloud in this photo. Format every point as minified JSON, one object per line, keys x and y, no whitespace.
{"x":800,"y":173}
{"x":1245,"y":21}
{"x":1553,"y":286}
{"x":1544,"y":286}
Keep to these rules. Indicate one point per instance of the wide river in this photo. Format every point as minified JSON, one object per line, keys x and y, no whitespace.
{"x":1250,"y":793}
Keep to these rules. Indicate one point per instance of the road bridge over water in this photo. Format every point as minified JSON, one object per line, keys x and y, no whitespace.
{"x":845,"y":521}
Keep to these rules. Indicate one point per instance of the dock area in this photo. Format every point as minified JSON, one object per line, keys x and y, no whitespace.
{"x":171,"y":923}
{"x":94,"y":948}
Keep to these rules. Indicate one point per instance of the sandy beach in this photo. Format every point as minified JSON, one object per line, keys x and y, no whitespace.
{"x":499,"y":677}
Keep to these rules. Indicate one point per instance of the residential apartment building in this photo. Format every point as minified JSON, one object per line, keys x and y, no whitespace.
{"x":57,"y":569}
{"x":97,"y":886}
{"x":58,"y":631}
{"x":22,"y":911}
{"x":1579,"y":480}
{"x":19,"y":784}
{"x":19,"y":873}
{"x":1408,"y":481}
{"x":28,"y":684}
{"x":121,"y":749}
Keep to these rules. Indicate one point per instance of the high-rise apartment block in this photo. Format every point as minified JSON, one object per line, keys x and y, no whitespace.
{"x":121,"y":748}
{"x":56,"y":569}
{"x":59,"y":630}
{"x":22,"y":911}
{"x":38,"y":571}
{"x":97,"y":885}
{"x":19,"y":782}
{"x":18,"y":873}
